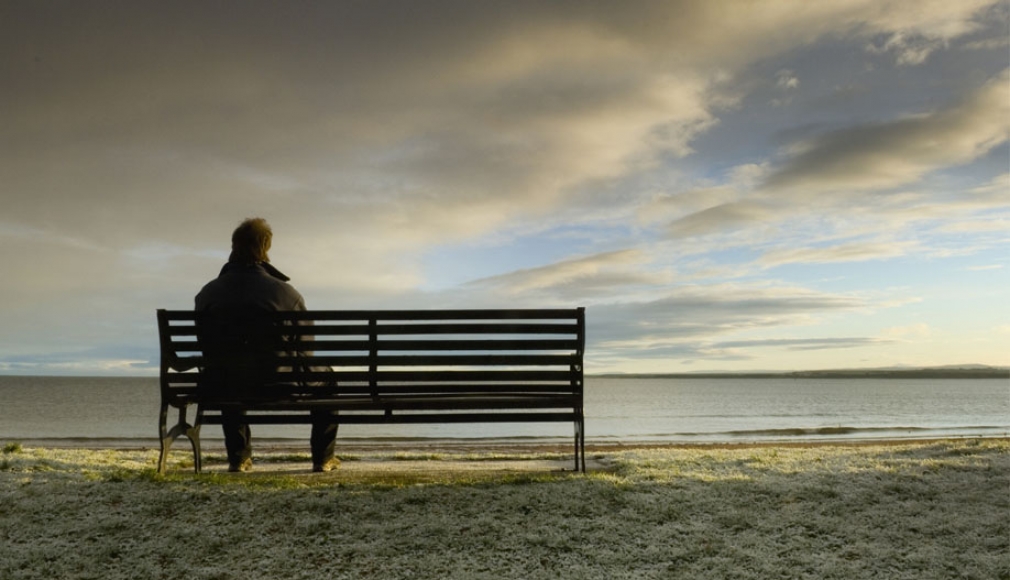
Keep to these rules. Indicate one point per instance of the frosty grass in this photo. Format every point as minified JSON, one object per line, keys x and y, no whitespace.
{"x":916,"y":510}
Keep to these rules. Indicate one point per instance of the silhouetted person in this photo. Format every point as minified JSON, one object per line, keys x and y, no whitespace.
{"x":249,"y":284}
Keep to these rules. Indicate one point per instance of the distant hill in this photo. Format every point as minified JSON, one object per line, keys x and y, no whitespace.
{"x":945,"y":372}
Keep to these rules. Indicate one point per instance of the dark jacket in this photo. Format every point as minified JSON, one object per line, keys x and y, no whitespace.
{"x":250,"y":285}
{"x":238,"y":335}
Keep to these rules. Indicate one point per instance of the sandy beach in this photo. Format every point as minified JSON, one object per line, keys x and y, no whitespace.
{"x":883,"y":509}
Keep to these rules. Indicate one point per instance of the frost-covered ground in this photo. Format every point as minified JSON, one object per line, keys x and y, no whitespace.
{"x":917,"y":511}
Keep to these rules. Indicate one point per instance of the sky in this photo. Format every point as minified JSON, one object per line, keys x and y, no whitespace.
{"x":725,"y":186}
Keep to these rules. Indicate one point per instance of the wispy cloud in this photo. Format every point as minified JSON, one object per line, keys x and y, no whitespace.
{"x":704,"y":313}
{"x":800,"y":344}
{"x":610,"y":273}
{"x":722,"y":218}
{"x":894,"y":153}
{"x":850,"y":252}
{"x":920,"y":330}
{"x":913,"y":38}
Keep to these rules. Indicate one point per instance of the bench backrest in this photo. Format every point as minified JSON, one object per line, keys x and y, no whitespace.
{"x":377,"y":353}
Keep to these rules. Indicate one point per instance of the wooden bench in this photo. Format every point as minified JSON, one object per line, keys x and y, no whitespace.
{"x":382,"y":367}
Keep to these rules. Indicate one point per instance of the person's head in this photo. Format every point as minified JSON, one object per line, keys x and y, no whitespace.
{"x":250,"y":241}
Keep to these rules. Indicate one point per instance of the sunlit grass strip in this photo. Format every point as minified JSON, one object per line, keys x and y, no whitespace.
{"x":125,"y":465}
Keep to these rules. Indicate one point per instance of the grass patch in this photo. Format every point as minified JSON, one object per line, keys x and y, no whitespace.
{"x":917,"y":510}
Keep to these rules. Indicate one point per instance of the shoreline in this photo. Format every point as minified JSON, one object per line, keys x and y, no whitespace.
{"x":491,"y":445}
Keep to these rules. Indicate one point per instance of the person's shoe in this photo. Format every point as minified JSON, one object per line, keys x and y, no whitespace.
{"x":241,"y":466}
{"x":328,"y":465}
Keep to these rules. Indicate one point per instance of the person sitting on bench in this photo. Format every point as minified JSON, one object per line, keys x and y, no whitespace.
{"x":248,"y":282}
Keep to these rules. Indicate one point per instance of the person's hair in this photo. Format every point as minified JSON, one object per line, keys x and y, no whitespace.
{"x":250,"y":241}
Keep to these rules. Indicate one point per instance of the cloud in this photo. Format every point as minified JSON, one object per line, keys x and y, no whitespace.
{"x":851,"y":252}
{"x":920,"y":330}
{"x":118,"y":359}
{"x":608,"y":273}
{"x":989,"y":44}
{"x":721,"y":218}
{"x":801,"y":344}
{"x":910,"y":50}
{"x":890,"y":154}
{"x":955,"y":224}
{"x":842,"y":171}
{"x":705,"y":312}
{"x":702,"y":322}
{"x":667,"y":207}
{"x":929,"y":27}
{"x":786,"y":79}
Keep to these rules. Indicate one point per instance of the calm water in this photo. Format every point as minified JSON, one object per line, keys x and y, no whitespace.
{"x":677,"y":410}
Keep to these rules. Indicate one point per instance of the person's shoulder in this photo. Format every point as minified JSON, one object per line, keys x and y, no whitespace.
{"x":211,"y":284}
{"x":292,"y":296}
{"x":207,"y":293}
{"x":285,"y":295}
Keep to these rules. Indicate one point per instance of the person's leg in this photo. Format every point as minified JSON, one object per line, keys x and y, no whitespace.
{"x":323,"y":440}
{"x":237,"y":440}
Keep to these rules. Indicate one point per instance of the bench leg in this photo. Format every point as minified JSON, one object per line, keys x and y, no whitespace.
{"x":576,"y":445}
{"x":193,"y":433}
{"x":578,"y":448}
{"x":194,"y":440}
{"x":168,"y":436}
{"x":163,"y":437}
{"x":580,"y":444}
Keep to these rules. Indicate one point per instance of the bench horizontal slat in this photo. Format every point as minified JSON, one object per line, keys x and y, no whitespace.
{"x":401,"y":329}
{"x":388,"y":328}
{"x":412,"y":402}
{"x":421,"y":376}
{"x":288,"y":390}
{"x":182,"y":348}
{"x":407,"y":329}
{"x":456,"y":357}
{"x":466,"y":389}
{"x":443,"y":345}
{"x":407,"y":315}
{"x":414,"y":418}
{"x":442,"y":376}
{"x":180,"y":331}
{"x":444,"y":360}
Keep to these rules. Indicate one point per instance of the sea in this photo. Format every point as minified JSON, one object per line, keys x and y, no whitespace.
{"x":123,"y":412}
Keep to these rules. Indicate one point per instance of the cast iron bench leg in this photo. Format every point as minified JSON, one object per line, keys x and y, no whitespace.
{"x":193,"y":433}
{"x":170,"y":435}
{"x":578,"y":431}
{"x":166,"y":441}
{"x":582,"y":442}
